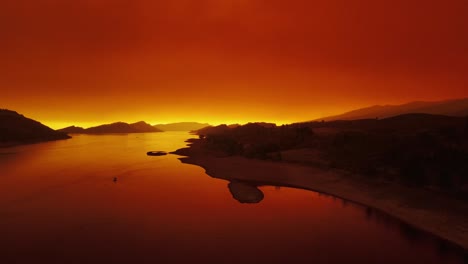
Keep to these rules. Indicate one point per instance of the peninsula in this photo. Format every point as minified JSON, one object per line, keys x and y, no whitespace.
{"x":370,"y":162}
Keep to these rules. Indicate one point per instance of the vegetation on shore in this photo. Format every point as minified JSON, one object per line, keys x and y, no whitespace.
{"x":417,"y":150}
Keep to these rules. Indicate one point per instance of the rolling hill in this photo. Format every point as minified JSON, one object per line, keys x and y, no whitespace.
{"x":456,"y":107}
{"x":17,"y":129}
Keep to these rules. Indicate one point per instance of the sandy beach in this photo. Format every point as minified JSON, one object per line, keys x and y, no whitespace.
{"x":424,"y":209}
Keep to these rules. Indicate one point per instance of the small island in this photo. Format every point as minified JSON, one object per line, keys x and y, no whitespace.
{"x":156,"y":153}
{"x":245,"y":192}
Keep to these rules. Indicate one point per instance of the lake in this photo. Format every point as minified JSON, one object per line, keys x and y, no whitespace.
{"x":59,"y":203}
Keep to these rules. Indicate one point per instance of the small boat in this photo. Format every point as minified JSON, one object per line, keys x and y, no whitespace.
{"x":156,"y":153}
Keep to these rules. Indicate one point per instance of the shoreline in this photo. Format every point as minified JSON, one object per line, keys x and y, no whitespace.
{"x":428,"y":211}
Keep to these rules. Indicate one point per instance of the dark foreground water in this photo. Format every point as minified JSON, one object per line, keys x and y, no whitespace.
{"x":60,"y":204}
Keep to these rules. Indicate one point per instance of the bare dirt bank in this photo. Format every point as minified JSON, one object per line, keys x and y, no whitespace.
{"x":430,"y":211}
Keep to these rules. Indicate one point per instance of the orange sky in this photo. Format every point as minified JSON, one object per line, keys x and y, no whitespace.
{"x":86,"y":62}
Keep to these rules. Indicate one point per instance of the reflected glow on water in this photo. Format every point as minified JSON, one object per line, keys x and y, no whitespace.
{"x":59,"y":204}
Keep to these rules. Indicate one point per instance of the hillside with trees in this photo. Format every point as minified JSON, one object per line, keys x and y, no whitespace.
{"x":417,"y":150}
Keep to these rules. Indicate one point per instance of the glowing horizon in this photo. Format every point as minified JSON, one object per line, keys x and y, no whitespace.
{"x":58,"y":124}
{"x":94,"y":62}
{"x":64,"y":124}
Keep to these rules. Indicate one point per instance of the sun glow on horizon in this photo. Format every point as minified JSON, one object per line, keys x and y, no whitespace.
{"x":87,"y":63}
{"x":63,"y":124}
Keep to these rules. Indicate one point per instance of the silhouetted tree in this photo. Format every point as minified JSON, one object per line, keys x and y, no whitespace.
{"x":410,"y":233}
{"x":302,"y":133}
{"x":445,"y":180}
{"x":412,"y":173}
{"x":466,"y":125}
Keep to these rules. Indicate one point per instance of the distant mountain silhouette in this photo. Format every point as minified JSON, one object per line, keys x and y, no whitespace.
{"x":17,"y":129}
{"x":72,"y":130}
{"x":456,"y":107}
{"x":144,"y":127}
{"x":249,"y":127}
{"x":181,"y":126}
{"x":118,"y":127}
{"x":401,"y":123}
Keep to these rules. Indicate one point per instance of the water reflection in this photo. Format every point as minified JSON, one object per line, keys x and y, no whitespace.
{"x":415,"y":236}
{"x":250,"y":192}
{"x":59,"y":204}
{"x":245,"y":192}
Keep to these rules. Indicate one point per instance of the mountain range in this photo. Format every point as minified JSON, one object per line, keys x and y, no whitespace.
{"x":181,"y":126}
{"x":117,"y":127}
{"x":456,"y":107}
{"x":17,"y":129}
{"x":139,"y":127}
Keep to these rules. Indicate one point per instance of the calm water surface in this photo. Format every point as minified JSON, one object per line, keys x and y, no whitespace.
{"x":59,"y":204}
